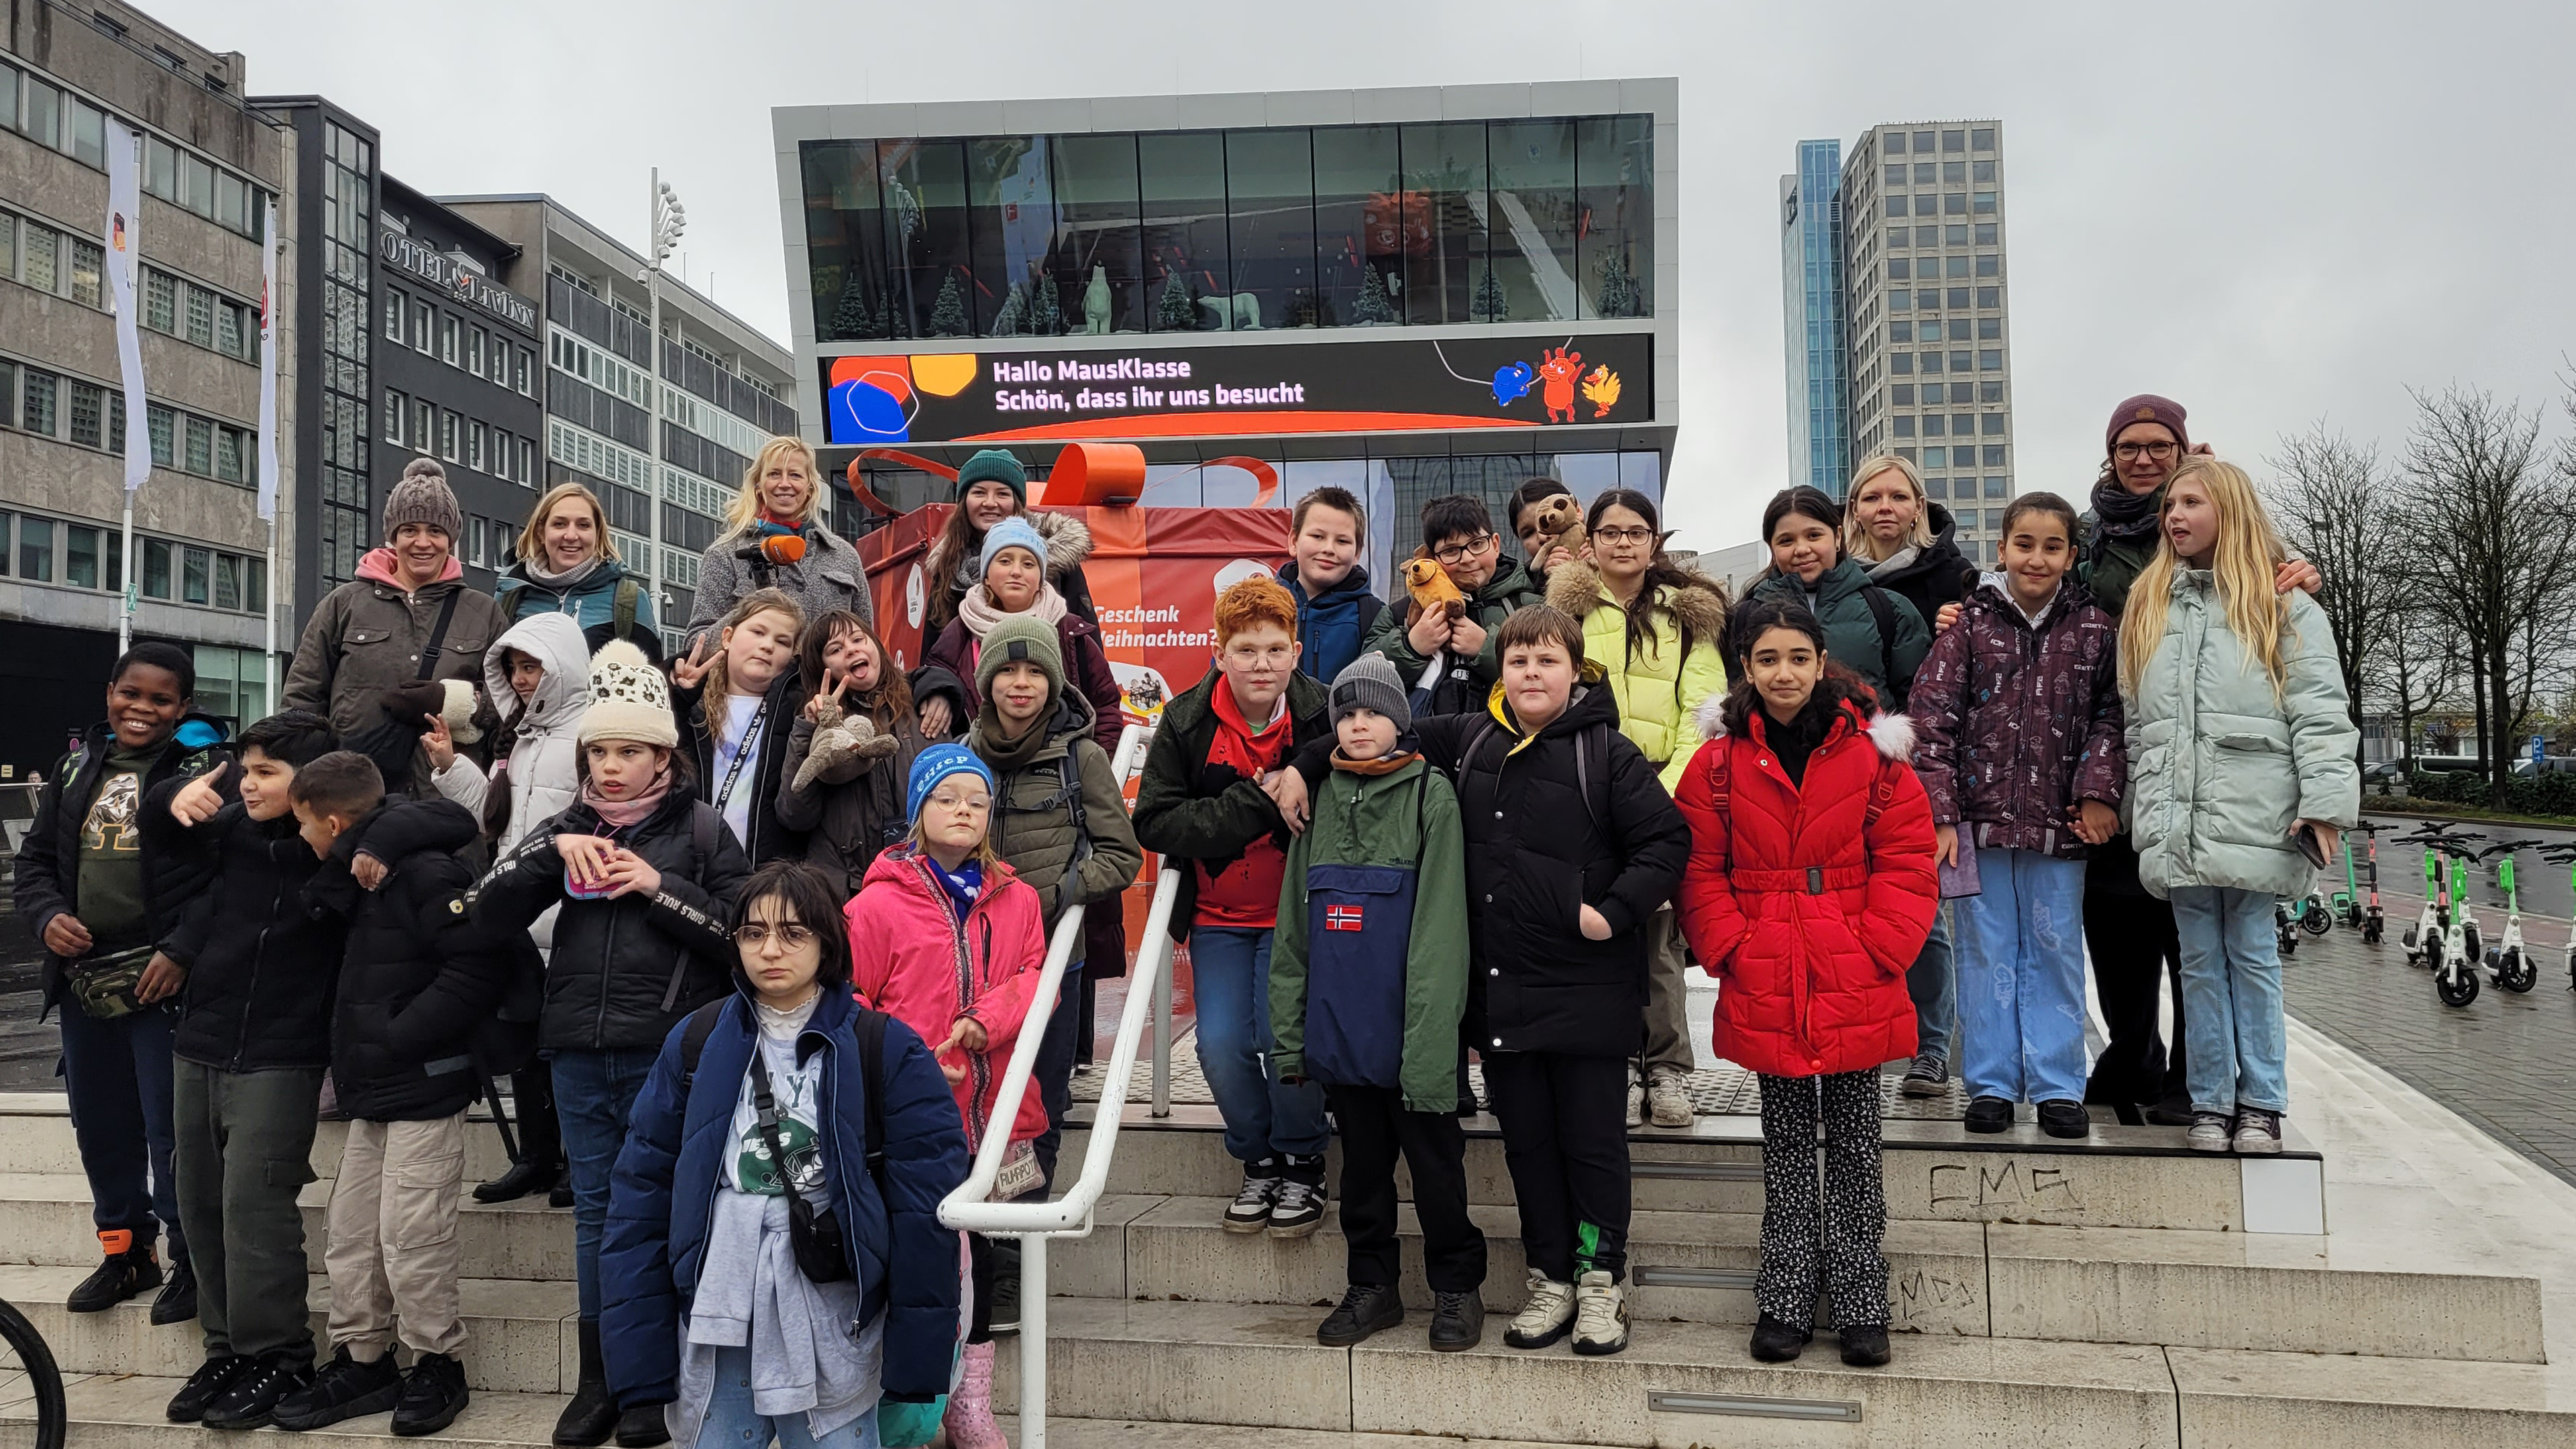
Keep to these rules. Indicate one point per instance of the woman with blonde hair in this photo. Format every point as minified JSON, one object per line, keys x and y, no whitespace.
{"x":2241,"y":774}
{"x":1900,"y":537}
{"x":776,"y":538}
{"x":567,"y":563}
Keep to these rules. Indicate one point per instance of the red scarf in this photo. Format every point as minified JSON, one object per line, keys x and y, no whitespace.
{"x":1252,"y":753}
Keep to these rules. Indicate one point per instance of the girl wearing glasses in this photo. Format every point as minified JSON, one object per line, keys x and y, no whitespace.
{"x":1655,"y":627}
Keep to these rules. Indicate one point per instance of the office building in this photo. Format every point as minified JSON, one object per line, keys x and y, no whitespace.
{"x":209,"y":166}
{"x":1811,"y":301}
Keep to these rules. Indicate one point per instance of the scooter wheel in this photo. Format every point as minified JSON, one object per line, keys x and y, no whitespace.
{"x":2457,"y":993}
{"x":2517,"y":973}
{"x":2370,"y":933}
{"x":2289,"y":944}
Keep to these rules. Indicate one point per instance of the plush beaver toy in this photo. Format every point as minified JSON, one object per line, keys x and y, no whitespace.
{"x":1431,"y":587}
{"x":1560,"y":519}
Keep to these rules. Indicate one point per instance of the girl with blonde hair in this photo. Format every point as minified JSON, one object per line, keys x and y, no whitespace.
{"x":776,"y":537}
{"x":736,"y":711}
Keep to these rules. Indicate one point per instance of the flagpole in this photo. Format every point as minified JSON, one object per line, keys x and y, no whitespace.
{"x":271,"y":459}
{"x":119,"y":233}
{"x":268,"y":651}
{"x":125,"y":600}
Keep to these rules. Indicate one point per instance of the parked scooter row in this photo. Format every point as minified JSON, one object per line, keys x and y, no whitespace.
{"x":2446,"y":938}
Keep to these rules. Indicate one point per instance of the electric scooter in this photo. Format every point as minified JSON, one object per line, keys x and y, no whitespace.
{"x":2437,"y":940}
{"x":2285,"y":929}
{"x":2345,"y":905}
{"x":2509,"y":962}
{"x":2565,"y":855}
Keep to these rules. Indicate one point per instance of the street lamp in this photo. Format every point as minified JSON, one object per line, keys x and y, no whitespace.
{"x":669,"y":220}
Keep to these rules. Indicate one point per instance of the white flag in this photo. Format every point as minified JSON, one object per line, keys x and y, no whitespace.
{"x":124,"y":213}
{"x":268,"y":441}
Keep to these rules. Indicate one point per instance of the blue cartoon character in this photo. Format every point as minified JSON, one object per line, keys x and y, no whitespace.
{"x":1512,"y":383}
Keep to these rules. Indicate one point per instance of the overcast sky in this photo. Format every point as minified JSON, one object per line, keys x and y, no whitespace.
{"x":2271,"y":212}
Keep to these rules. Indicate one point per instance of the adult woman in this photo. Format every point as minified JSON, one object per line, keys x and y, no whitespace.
{"x":1012,"y":580}
{"x":775,"y":538}
{"x":1657,"y":629}
{"x":1902,"y":538}
{"x":992,"y":486}
{"x":710,"y":1296}
{"x":407,"y":616}
{"x":568,"y":564}
{"x":1870,"y":630}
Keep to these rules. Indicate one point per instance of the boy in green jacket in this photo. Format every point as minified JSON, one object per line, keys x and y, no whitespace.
{"x":1368,"y":984}
{"x":1458,"y":534}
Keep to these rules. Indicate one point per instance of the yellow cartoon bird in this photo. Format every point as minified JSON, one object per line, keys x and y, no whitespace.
{"x":1602,"y":387}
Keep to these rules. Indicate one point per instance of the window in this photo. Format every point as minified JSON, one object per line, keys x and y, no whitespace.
{"x":255,"y":584}
{"x":528,"y":461}
{"x":228,"y":454}
{"x":156,"y":567}
{"x":80,"y":557}
{"x":1931,"y":394}
{"x":447,"y":340}
{"x":1923,"y":173}
{"x":447,"y":436}
{"x":1900,"y":331}
{"x":160,"y":301}
{"x":160,"y":168}
{"x":1990,"y":265}
{"x":1954,"y":266}
{"x":1958,"y":361}
{"x":42,"y":250}
{"x":1984,"y":172}
{"x":395,"y":302}
{"x":522,"y":367}
{"x":1953,"y":141}
{"x":89,"y":264}
{"x":1902,"y":425}
{"x":228,"y":580}
{"x":1901,"y":394}
{"x":88,"y":412}
{"x":232,"y":201}
{"x":1896,"y":206}
{"x":1936,"y":487}
{"x":8,"y":245}
{"x":1896,"y":143}
{"x":1996,"y":488}
{"x":1990,"y":296}
{"x":421,"y":313}
{"x":196,"y":185}
{"x":36,"y":402}
{"x":1900,"y":300}
{"x":201,"y":316}
{"x":1991,"y":390}
{"x":230,"y":334}
{"x":1963,"y":425}
{"x":1900,"y":364}
{"x":1991,"y":424}
{"x":396,"y":406}
{"x":1985,"y":233}
{"x":1990,"y":329}
{"x":1930,"y":330}
{"x":1954,"y":173}
{"x":44,"y":113}
{"x":162,"y":424}
{"x":503,"y":457}
{"x":1956,"y":235}
{"x":36,"y":549}
{"x":1896,"y":174}
{"x":1899,"y":269}
{"x":1982,"y":138}
{"x":201,"y":446}
{"x":477,"y":438}
{"x":1989,"y":359}
{"x":475,"y":342}
{"x":196,"y":568}
{"x":1994,"y":456}
{"x":1958,"y":299}
{"x":1935,"y":457}
{"x":424,"y":426}
{"x":1925,"y":202}
{"x":1985,"y":203}
{"x":1898,"y":236}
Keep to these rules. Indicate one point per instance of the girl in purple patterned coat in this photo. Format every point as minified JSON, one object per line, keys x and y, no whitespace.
{"x":2017,"y":710}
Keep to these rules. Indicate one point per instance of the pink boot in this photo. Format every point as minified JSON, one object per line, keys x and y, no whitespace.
{"x":969,"y":1420}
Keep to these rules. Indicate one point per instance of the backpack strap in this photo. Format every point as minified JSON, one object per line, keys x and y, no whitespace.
{"x":621,"y":614}
{"x":693,"y":1043}
{"x":870,"y":1028}
{"x":1458,"y":770}
{"x":1882,"y":610}
{"x":1584,"y":743}
{"x":703,"y":824}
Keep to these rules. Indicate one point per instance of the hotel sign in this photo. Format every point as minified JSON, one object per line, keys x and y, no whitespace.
{"x":466,"y":285}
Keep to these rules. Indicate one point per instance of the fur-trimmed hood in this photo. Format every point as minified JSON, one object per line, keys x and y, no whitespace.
{"x":1068,"y":541}
{"x":1893,"y":734}
{"x":1575,"y":588}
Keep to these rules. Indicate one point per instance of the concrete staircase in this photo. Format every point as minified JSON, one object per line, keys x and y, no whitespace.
{"x":2126,"y":1292}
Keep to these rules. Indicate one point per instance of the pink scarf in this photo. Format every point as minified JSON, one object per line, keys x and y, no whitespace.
{"x":979,"y":613}
{"x":619,"y":814}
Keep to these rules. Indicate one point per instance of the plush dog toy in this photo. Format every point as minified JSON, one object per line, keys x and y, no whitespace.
{"x":1560,"y":518}
{"x":1431,"y":587}
{"x":841,"y":741}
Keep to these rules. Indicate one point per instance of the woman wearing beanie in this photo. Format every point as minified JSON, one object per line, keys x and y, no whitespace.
{"x":992,"y":486}
{"x":775,"y":538}
{"x":406,"y":617}
{"x":1012,"y":578}
{"x":646,"y":874}
{"x":567,"y":564}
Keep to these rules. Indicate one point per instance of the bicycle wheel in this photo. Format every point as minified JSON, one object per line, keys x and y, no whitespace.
{"x":31,"y":1388}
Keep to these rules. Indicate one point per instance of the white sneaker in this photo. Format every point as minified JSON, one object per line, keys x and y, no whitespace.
{"x":1636,"y":1104}
{"x":1547,"y":1316}
{"x":1600,"y":1314}
{"x":1668,"y":1101}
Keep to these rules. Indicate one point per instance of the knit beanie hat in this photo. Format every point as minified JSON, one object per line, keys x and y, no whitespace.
{"x":423,"y":497}
{"x":2146,"y":407}
{"x":1010,"y":533}
{"x":994,"y":465}
{"x":1021,"y":637}
{"x":934,"y":764}
{"x":629,"y":699}
{"x":1369,"y":682}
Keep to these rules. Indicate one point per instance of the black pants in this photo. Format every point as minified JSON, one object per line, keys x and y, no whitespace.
{"x":1375,"y":1127}
{"x":118,"y":1074}
{"x":532,"y":1096}
{"x":2131,"y":937}
{"x":1565,"y":1139}
{"x":1052,"y":1072}
{"x":1834,"y":1237}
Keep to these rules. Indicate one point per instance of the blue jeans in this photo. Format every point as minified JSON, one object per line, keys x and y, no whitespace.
{"x":594,"y":1096}
{"x":1263,"y":1118}
{"x":2237,"y":1053}
{"x":732,"y":1423}
{"x":2021,"y":978}
{"x":118,"y":1076}
{"x":1933,"y":983}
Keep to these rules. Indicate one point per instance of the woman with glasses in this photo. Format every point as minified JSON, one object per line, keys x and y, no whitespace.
{"x":1655,"y":627}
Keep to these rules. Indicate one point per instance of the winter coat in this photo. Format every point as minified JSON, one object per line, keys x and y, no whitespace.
{"x":2220,"y":769}
{"x":662,"y":1196}
{"x":1045,"y":776}
{"x":367,"y":636}
{"x":2015,"y":725}
{"x":261,"y":968}
{"x":1368,"y":965}
{"x":45,"y":876}
{"x":1333,"y":625}
{"x":1187,"y":811}
{"x":911,"y":958}
{"x":1068,"y":542}
{"x":771,"y":838}
{"x":851,"y":809}
{"x":1852,"y":638}
{"x":1936,"y":575}
{"x":542,"y":768}
{"x":592,"y":602}
{"x":624,"y":968}
{"x":949,"y":669}
{"x":829,"y":577}
{"x":1809,"y":901}
{"x":1461,"y":688}
{"x":419,"y":972}
{"x":1659,"y":690}
{"x":2121,"y":561}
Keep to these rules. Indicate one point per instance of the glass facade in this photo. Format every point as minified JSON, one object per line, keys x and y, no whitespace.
{"x":348,"y":311}
{"x":1204,"y":231}
{"x":1811,"y":307}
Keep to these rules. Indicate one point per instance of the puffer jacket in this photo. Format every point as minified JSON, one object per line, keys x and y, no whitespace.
{"x":1936,"y":575}
{"x":542,"y":771}
{"x":911,"y":958}
{"x":1045,"y":776}
{"x":1461,"y":689}
{"x":829,"y":577}
{"x":1332,"y":625}
{"x":624,"y":968}
{"x":589,"y":601}
{"x":1189,"y":810}
{"x":662,"y":1195}
{"x":2219,"y":768}
{"x":2018,"y":724}
{"x":1809,"y":901}
{"x":1659,"y":689}
{"x":853,"y":807}
{"x":261,"y":968}
{"x":1852,"y":640}
{"x":771,"y":837}
{"x":367,"y":636}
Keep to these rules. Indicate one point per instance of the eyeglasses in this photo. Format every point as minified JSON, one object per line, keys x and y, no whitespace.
{"x":755,"y":934}
{"x":972,"y":804}
{"x":1274,"y":656}
{"x":1624,"y":535}
{"x":1457,"y":553}
{"x":2131,"y":452}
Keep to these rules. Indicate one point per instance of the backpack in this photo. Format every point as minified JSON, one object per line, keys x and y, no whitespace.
{"x":1594,"y":736}
{"x":870,"y":1028}
{"x":621,"y":610}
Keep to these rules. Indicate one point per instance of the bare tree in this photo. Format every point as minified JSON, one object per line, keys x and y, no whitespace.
{"x":2493,"y":542}
{"x":2332,"y":502}
{"x":2417,"y":667}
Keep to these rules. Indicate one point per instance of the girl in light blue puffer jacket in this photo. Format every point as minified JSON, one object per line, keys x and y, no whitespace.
{"x":2240,"y":740}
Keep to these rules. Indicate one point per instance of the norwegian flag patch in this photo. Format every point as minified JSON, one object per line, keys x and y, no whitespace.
{"x":1343,"y":918}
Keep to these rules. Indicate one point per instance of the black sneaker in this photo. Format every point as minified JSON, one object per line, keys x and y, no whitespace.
{"x":1457,"y":1322}
{"x":1864,"y":1344}
{"x":1250,"y":1210}
{"x":432,"y":1395}
{"x":1003,"y":1317}
{"x":2059,"y":1117}
{"x":1366,"y":1308}
{"x":1777,"y":1342}
{"x":524,"y":1179}
{"x":121,"y":1276}
{"x":1928,"y":1077}
{"x":178,"y":1300}
{"x":1300,"y":1205}
{"x":211,"y":1378}
{"x":250,"y":1401}
{"x":1989,"y":1114}
{"x":344,"y":1389}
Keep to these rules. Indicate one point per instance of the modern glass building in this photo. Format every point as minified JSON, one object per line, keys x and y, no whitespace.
{"x":1811,"y":303}
{"x":1405,"y":292}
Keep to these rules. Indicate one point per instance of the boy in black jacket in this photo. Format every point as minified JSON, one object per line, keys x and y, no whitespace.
{"x":253,"y":1039}
{"x":417,"y":978}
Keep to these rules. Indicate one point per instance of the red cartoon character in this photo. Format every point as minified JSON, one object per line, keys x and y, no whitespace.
{"x":1559,"y":368}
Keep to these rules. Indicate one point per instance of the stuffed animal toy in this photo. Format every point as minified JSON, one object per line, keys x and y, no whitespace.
{"x":1560,"y":518}
{"x":840,"y":739}
{"x":1431,"y":587}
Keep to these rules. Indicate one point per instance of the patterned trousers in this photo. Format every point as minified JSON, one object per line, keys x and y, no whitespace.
{"x":1836,"y":1238}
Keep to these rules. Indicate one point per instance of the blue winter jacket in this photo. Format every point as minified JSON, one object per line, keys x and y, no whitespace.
{"x":663,"y":1189}
{"x":1332,"y":626}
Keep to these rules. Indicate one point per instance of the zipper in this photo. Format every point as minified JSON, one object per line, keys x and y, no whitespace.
{"x":258,"y":953}
{"x":963,"y":956}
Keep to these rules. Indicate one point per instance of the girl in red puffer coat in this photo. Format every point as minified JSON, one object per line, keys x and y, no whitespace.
{"x":1809,"y":891}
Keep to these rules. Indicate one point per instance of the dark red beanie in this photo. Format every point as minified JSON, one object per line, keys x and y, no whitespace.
{"x":2146,"y":407}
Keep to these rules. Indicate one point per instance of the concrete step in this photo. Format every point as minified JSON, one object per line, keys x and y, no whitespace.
{"x":36,"y":1136}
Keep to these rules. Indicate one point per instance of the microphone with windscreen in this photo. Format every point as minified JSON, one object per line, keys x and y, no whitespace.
{"x":773,"y":549}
